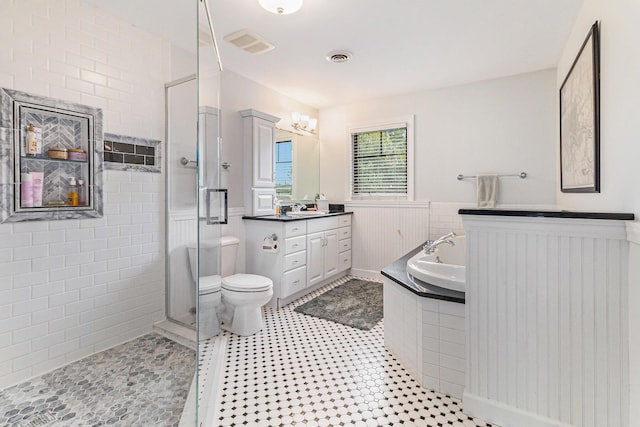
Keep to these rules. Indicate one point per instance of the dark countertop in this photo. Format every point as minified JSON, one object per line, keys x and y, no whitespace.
{"x":287,"y":218}
{"x":620,"y":216}
{"x":398,"y":273}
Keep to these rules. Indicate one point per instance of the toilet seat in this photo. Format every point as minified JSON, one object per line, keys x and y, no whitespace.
{"x":246,"y":283}
{"x":209,"y":284}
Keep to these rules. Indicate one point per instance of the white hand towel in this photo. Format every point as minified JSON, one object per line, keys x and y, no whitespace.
{"x":487,"y":190}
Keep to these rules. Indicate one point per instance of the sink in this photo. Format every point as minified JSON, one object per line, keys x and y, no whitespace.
{"x":444,"y":268}
{"x":306,"y":213}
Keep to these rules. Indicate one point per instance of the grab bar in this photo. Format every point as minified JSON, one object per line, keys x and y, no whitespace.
{"x":522,"y":175}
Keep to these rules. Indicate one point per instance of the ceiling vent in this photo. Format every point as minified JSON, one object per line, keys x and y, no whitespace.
{"x":339,"y":56}
{"x":249,"y":42}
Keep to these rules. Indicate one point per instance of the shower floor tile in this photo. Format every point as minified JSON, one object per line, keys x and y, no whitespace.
{"x":305,"y":371}
{"x":143,"y":382}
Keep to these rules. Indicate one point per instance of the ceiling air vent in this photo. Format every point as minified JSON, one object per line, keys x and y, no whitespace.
{"x":249,"y":42}
{"x":339,"y":56}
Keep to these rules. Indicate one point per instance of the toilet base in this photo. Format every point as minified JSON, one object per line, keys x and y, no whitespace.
{"x":244,"y":321}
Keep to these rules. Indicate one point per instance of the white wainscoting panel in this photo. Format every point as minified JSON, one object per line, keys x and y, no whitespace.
{"x":382,"y":233}
{"x":633,"y":235}
{"x":182,"y":229}
{"x":547,"y":321}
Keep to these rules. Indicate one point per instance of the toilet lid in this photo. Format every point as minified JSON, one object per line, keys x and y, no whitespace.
{"x":246,"y":283}
{"x":209,"y":284}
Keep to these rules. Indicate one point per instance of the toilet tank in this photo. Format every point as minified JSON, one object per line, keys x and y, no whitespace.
{"x":209,"y":252}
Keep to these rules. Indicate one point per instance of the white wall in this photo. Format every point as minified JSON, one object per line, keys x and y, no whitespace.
{"x":619,"y":106}
{"x":239,"y":93}
{"x":70,"y":288}
{"x":505,"y":126}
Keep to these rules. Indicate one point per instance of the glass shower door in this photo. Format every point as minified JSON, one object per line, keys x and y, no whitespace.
{"x":212,"y":210}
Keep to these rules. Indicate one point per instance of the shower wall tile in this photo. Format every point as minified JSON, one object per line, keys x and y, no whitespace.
{"x":71,"y":288}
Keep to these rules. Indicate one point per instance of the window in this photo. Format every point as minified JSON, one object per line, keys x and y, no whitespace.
{"x":284,"y":168}
{"x":381,"y":161}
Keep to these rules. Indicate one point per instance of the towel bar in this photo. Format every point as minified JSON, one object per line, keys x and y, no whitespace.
{"x":522,"y":175}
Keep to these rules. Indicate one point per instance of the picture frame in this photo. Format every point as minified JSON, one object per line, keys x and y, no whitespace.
{"x":580,"y":120}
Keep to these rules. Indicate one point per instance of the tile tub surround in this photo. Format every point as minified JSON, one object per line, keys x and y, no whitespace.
{"x":302,"y":370}
{"x":141,"y":382}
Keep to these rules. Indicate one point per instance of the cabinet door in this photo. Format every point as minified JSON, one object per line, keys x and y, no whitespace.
{"x":263,"y":201}
{"x":263,"y":153}
{"x":331,"y":249}
{"x":315,"y":258}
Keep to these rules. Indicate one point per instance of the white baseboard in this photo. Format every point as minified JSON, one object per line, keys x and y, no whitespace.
{"x":504,"y":415}
{"x":366,"y":274}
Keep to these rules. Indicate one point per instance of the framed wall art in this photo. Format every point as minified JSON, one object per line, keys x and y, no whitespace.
{"x":580,"y":120}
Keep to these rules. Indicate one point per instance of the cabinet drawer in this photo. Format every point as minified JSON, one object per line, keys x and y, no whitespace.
{"x":344,"y":245}
{"x":295,"y":228}
{"x":344,"y":220}
{"x":321,"y":224}
{"x":294,"y":281}
{"x":295,"y":244}
{"x":344,"y":261}
{"x":295,"y":260}
{"x":344,"y":233}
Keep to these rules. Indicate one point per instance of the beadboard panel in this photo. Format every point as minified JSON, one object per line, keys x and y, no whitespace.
{"x":546,"y":316}
{"x":633,"y":235}
{"x":383,"y":233}
{"x":182,"y":230}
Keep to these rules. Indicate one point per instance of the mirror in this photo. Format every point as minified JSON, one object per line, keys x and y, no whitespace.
{"x":297,"y":167}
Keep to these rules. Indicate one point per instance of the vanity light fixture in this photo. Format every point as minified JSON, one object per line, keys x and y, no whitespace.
{"x":303,"y":123}
{"x":281,"y":7}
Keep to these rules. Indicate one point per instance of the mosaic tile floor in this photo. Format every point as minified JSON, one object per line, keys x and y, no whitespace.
{"x":143,"y":382}
{"x":307,"y":371}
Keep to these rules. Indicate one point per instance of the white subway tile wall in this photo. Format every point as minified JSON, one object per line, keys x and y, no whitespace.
{"x":71,"y":288}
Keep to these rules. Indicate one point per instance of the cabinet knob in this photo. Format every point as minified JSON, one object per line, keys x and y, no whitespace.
{"x":296,"y":281}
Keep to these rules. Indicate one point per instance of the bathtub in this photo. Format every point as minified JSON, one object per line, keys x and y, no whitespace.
{"x":445,"y":267}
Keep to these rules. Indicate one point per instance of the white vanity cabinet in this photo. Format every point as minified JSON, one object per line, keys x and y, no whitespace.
{"x":259,"y":164}
{"x":310,"y":253}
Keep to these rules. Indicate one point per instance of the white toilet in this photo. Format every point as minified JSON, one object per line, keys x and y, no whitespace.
{"x":243,"y":295}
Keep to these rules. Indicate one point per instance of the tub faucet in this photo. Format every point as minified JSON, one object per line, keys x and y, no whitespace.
{"x":431,"y":245}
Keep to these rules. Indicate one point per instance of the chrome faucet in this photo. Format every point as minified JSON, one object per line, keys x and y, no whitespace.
{"x":297,"y":207}
{"x":431,"y":245}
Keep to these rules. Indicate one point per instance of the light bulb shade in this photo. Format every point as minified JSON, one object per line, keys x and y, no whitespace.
{"x":313,"y":123}
{"x":281,"y":7}
{"x":295,"y":117}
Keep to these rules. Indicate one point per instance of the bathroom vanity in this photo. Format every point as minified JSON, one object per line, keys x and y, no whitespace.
{"x":305,"y":254}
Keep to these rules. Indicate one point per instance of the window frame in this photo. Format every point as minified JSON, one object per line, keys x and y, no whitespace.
{"x":381,"y":125}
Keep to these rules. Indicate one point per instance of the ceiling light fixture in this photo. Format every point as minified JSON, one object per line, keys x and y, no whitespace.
{"x":303,"y":123}
{"x":281,"y":7}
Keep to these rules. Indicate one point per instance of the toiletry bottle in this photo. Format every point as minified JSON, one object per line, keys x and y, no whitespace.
{"x":31,"y":145}
{"x":72,"y":195}
{"x":277,"y":208}
{"x":26,"y":190}
{"x":82,"y":193}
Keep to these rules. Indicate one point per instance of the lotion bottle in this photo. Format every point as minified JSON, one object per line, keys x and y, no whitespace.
{"x":26,"y":190}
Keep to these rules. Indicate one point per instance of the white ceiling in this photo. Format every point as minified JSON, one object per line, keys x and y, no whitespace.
{"x":399,"y":46}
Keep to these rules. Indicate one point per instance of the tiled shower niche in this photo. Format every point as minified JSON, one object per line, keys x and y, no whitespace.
{"x":69,"y":148}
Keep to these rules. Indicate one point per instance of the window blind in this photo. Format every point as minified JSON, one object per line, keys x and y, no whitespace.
{"x":380,"y":162}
